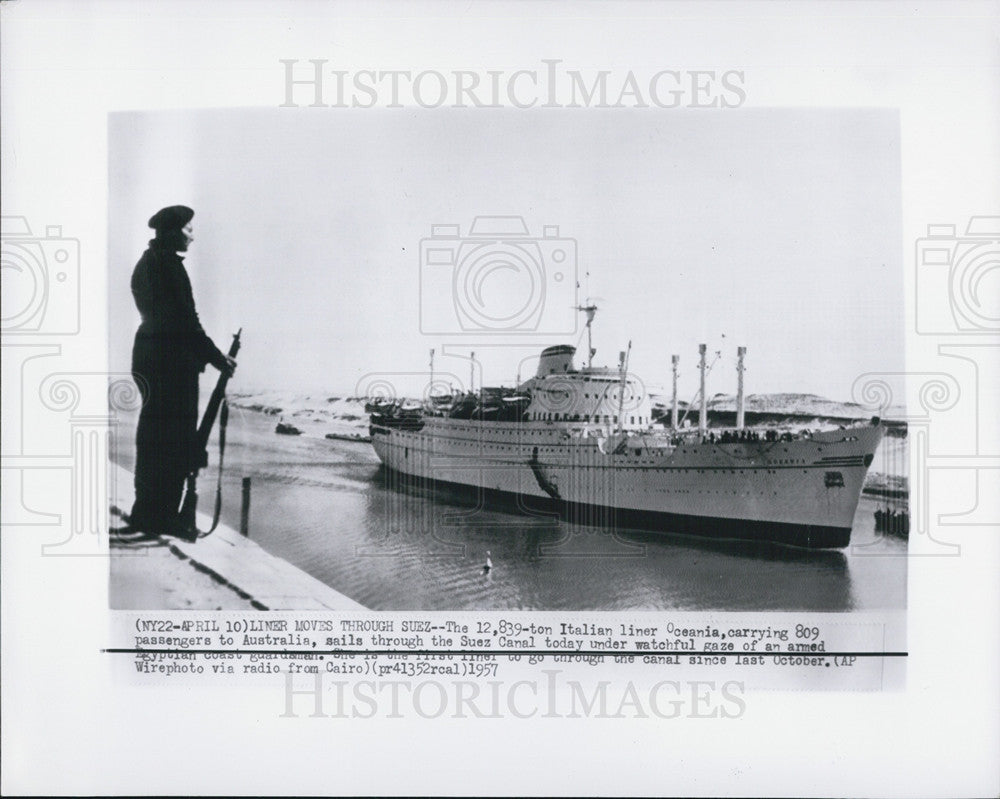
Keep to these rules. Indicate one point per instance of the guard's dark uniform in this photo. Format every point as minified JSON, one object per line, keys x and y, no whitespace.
{"x":170,"y":351}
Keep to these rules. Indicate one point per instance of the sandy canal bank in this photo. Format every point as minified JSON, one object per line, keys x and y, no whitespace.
{"x":224,"y":571}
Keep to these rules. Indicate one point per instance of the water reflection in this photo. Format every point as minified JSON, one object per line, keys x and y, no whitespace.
{"x":593,"y":567}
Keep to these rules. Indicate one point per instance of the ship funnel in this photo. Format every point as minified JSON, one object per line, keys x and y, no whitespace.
{"x":703,"y":410}
{"x":740,"y":354}
{"x":557,"y":360}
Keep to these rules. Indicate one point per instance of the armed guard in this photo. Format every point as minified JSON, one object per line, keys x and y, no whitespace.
{"x":171,"y":349}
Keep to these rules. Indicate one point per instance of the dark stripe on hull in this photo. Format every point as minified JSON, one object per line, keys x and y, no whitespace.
{"x":809,"y":536}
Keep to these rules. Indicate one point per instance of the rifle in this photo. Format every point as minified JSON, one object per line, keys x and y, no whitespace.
{"x":215,"y":402}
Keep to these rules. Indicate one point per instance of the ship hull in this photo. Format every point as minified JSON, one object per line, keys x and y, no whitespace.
{"x":810,"y":536}
{"x":801,"y":493}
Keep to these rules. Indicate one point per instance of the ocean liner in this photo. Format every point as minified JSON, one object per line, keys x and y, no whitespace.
{"x":583,"y":441}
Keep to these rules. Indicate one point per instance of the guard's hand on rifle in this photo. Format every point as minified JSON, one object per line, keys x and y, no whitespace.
{"x":230,"y":367}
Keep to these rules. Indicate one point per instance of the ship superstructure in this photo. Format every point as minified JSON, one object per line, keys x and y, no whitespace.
{"x":584,"y":440}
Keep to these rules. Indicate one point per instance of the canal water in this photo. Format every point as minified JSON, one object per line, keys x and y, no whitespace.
{"x":329,"y":508}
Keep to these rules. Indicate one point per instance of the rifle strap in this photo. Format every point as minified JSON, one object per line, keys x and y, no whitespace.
{"x":223,"y":421}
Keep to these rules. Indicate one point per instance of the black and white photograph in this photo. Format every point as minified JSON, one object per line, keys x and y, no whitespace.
{"x":664,"y":401}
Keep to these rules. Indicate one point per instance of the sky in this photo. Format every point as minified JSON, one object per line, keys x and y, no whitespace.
{"x":774,"y":229}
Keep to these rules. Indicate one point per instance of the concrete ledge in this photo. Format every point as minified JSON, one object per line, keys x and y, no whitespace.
{"x":263,"y":580}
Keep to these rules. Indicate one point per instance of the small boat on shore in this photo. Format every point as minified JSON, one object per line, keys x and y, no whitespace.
{"x":892,"y":522}
{"x":349,"y":437}
{"x":285,"y":429}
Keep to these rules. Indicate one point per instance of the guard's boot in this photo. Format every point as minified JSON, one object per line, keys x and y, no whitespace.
{"x":178,"y":529}
{"x":127,"y":533}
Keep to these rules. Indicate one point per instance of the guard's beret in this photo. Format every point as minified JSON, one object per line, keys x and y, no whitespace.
{"x":173,"y":217}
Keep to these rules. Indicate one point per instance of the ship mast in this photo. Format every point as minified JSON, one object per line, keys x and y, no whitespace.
{"x":590,"y":310}
{"x":674,"y":360}
{"x":703,"y":408}
{"x":740,"y":369}
{"x":621,"y":389}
